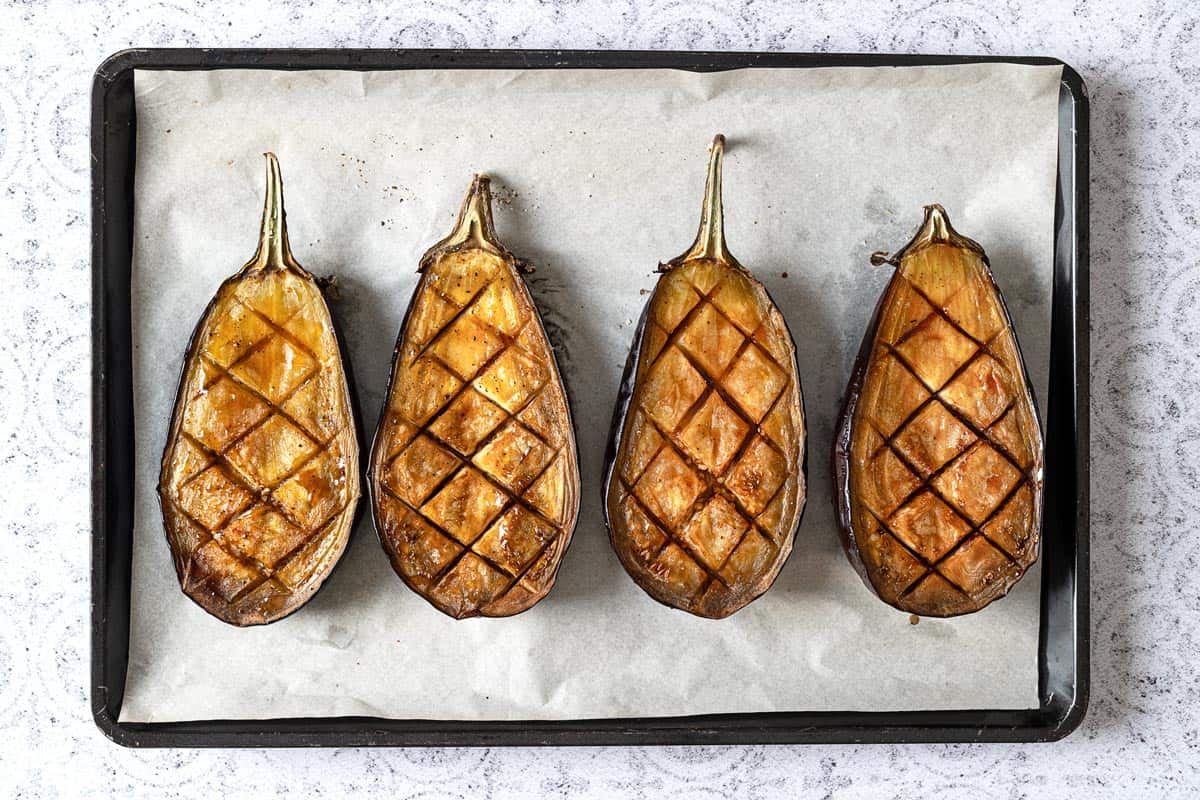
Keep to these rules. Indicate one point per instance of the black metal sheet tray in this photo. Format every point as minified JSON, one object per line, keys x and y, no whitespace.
{"x":1063,"y":635}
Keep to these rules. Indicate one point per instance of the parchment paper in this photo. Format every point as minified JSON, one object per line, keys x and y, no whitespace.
{"x":598,"y":176}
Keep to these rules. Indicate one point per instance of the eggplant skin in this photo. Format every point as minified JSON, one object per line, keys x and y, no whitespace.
{"x":938,"y":458}
{"x":474,"y":473}
{"x":705,"y":485}
{"x":260,"y":474}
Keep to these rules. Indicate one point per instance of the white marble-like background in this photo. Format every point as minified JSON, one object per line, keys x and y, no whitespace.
{"x":1142,"y":63}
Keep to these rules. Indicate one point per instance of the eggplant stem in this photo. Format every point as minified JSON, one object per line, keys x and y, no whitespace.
{"x":474,"y":227}
{"x":935,"y":229}
{"x":937,"y":225}
{"x":274,"y":252}
{"x":710,"y":239}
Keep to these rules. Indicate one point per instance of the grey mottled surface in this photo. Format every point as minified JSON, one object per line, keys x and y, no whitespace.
{"x":1142,"y":63}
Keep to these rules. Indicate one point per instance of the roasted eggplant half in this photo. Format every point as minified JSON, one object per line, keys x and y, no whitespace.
{"x":705,"y":482}
{"x":260,"y":476}
{"x":474,"y":474}
{"x":937,"y":457}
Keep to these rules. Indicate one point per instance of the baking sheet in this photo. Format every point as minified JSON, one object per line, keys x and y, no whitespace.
{"x":598,"y":176}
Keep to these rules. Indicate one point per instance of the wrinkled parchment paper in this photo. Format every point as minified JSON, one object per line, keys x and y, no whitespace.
{"x":598,"y":177}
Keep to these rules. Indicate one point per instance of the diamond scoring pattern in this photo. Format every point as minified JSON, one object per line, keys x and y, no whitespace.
{"x":693,"y":507}
{"x":944,"y":443}
{"x":473,"y":479}
{"x":275,"y":479}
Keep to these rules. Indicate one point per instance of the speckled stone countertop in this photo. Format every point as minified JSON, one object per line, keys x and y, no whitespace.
{"x":1141,"y":61}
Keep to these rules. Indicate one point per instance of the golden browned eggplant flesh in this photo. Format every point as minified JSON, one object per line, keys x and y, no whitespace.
{"x":707,"y":487}
{"x":939,"y":455}
{"x":474,"y":473}
{"x":260,"y":474}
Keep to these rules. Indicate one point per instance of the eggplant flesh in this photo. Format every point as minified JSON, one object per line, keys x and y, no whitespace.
{"x":474,"y":472}
{"x":259,"y":477}
{"x":705,"y":485}
{"x":938,"y":456}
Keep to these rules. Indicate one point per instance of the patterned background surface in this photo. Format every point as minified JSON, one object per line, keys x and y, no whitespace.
{"x":1142,"y":63}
